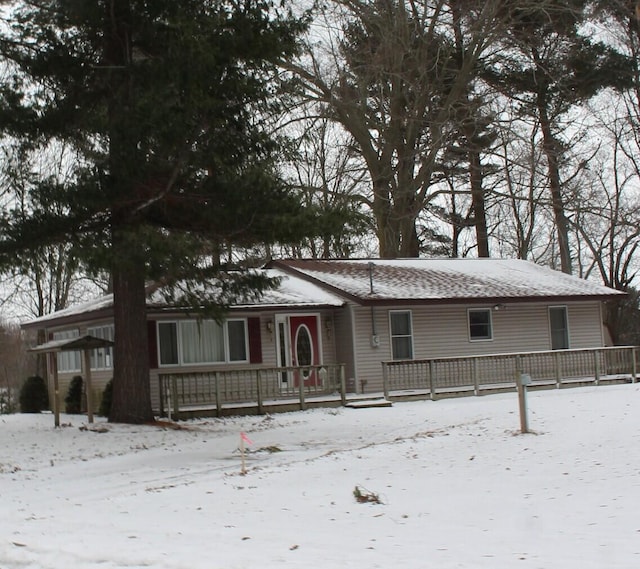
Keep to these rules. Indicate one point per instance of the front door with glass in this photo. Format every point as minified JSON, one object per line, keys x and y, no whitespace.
{"x":298,"y":345}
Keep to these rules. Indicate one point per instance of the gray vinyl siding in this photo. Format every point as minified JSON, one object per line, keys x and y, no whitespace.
{"x":443,"y":331}
{"x":344,"y":343}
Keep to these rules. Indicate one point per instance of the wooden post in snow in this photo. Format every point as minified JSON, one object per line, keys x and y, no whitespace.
{"x":87,"y":374}
{"x":56,"y":390}
{"x":522,"y":380}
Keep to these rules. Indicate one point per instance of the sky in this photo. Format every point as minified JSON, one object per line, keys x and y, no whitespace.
{"x":453,"y":484}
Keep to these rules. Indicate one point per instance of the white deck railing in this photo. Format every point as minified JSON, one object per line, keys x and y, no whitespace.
{"x":481,"y":373}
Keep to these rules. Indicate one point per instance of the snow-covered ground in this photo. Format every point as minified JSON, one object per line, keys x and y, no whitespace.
{"x":460,"y":488}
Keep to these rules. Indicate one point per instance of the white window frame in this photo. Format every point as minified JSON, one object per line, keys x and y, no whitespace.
{"x":473,"y":338}
{"x":68,"y":361}
{"x":226,"y":345}
{"x":105,"y":354}
{"x":567,"y":335}
{"x":409,"y":336}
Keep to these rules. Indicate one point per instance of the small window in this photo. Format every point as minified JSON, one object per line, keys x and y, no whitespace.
{"x":401,"y":335}
{"x":236,"y":331}
{"x":480,"y":324}
{"x":558,"y":323}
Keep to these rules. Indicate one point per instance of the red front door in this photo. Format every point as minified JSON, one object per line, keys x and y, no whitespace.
{"x":305,"y":348}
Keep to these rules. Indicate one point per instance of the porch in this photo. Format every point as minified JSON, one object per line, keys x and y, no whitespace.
{"x":477,"y":375}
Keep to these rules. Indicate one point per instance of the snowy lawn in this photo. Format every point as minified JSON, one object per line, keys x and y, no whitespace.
{"x":459,"y":488}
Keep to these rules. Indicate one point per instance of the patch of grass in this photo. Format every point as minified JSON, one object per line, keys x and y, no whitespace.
{"x":364,"y":496}
{"x":272,"y":449}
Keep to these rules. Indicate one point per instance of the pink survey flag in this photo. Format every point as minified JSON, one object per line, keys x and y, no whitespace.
{"x":246,"y":439}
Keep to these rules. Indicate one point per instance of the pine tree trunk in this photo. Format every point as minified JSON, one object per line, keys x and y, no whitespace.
{"x":562,"y":225}
{"x":552,"y":153}
{"x":478,"y":203}
{"x":131,"y":385}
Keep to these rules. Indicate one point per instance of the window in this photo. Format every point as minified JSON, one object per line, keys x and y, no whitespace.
{"x":480,"y":324}
{"x":102,"y":358}
{"x":401,"y":337}
{"x":236,"y":332}
{"x":68,"y":361}
{"x":558,"y":323}
{"x":168,"y":340}
{"x":202,"y":341}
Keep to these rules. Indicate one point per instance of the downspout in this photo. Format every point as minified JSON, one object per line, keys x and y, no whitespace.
{"x":375,"y":341}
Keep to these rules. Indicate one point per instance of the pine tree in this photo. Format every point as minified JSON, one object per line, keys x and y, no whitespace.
{"x":165,"y":104}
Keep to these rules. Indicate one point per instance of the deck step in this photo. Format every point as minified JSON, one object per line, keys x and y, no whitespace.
{"x":368,"y":403}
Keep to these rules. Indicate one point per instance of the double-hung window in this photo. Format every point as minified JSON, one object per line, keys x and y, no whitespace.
{"x":189,"y":342}
{"x":68,"y":362}
{"x":480,"y":327}
{"x":102,"y":358}
{"x":401,"y":335}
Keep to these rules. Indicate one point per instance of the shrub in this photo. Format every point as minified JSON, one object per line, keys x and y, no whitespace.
{"x":34,"y":396}
{"x":107,"y":396}
{"x":73,"y":400}
{"x":7,"y":403}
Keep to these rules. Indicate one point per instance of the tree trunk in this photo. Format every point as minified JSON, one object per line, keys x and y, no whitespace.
{"x":478,"y":203}
{"x":388,"y":242}
{"x":551,"y":152}
{"x":562,"y":225}
{"x":131,"y":385}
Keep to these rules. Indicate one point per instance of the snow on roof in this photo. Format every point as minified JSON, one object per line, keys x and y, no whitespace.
{"x":95,"y":305}
{"x":430,"y":280}
{"x":295,"y":291}
{"x":313,"y":283}
{"x":292,"y":292}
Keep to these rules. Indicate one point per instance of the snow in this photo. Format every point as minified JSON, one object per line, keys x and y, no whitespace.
{"x":460,"y":487}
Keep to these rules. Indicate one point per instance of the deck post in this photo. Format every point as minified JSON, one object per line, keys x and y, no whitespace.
{"x":343,"y":386}
{"x":385,"y":380}
{"x":174,"y":396}
{"x":56,"y":390}
{"x":474,"y":371}
{"x":596,"y":365}
{"x":161,"y":394}
{"x":556,"y":360}
{"x":216,"y":382}
{"x":303,"y":405}
{"x":259,"y":391}
{"x":633,"y":365}
{"x":431,"y":382}
{"x":88,"y":386}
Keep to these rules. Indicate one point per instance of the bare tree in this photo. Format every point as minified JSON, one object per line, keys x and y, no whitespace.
{"x":391,"y":73}
{"x":331,"y":178}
